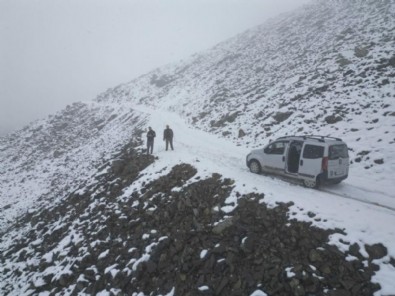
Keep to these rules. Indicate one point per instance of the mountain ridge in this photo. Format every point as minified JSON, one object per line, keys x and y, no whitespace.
{"x":327,"y":68}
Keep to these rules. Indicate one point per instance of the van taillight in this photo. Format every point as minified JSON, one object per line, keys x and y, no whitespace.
{"x":325,"y":163}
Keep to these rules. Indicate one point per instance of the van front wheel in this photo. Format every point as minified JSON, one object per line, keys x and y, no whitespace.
{"x":255,"y":167}
{"x":311,"y":183}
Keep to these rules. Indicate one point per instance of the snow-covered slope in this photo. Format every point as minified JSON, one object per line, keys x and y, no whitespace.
{"x":328,"y":68}
{"x":51,"y":157}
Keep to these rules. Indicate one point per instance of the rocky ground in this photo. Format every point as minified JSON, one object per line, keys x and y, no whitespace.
{"x":170,"y":235}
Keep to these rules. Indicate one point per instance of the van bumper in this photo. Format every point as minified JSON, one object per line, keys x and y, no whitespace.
{"x":327,"y":180}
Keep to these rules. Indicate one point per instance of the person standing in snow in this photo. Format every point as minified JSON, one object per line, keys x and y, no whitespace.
{"x":150,"y":140}
{"x":168,"y":137}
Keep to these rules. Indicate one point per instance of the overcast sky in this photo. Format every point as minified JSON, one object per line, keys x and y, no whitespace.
{"x":55,"y":52}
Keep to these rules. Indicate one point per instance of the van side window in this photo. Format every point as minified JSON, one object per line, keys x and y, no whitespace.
{"x":276,"y":148}
{"x":313,"y":152}
{"x":338,"y":151}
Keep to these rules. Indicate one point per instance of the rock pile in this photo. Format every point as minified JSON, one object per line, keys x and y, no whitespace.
{"x":170,"y":234}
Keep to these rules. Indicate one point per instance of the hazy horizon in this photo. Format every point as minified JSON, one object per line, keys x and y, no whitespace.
{"x":53,"y":54}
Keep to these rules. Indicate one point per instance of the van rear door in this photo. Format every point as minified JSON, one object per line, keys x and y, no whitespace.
{"x":310,"y":164}
{"x":338,"y":161}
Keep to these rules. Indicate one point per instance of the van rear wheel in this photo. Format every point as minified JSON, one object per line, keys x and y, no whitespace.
{"x":312,"y":183}
{"x":255,"y":167}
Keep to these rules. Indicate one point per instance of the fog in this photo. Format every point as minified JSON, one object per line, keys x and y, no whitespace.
{"x":53,"y":53}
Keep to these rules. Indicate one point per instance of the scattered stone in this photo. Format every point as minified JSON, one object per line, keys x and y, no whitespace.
{"x":331,"y":119}
{"x":282,"y":116}
{"x":379,"y":161}
{"x":220,"y":227}
{"x":361,"y":52}
{"x":376,"y":251}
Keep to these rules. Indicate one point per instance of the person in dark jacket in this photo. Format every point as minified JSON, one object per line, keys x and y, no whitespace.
{"x":168,"y":137}
{"x":150,"y":140}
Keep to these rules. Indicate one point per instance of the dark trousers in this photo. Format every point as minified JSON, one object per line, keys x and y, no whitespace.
{"x":169,"y":141}
{"x":150,"y":145}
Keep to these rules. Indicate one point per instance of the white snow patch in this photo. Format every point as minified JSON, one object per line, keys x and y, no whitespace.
{"x":104,"y":254}
{"x":203,"y":288}
{"x":258,"y":293}
{"x":203,"y":254}
{"x":289,"y":272}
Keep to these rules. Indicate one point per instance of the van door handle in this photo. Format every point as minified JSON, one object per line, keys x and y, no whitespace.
{"x":283,"y":158}
{"x":301,"y":162}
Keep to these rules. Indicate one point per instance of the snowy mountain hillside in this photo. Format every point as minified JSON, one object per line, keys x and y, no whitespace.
{"x":84,"y":210}
{"x":327,"y":69}
{"x":49,"y":158}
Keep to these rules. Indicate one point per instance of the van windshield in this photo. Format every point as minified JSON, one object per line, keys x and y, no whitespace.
{"x":338,"y":151}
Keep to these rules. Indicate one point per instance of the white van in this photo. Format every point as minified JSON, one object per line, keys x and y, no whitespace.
{"x":313,"y":159}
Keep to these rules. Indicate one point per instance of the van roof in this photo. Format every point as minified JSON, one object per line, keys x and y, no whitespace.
{"x":323,"y":139}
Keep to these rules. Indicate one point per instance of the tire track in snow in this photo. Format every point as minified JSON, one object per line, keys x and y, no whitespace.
{"x":345,"y":195}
